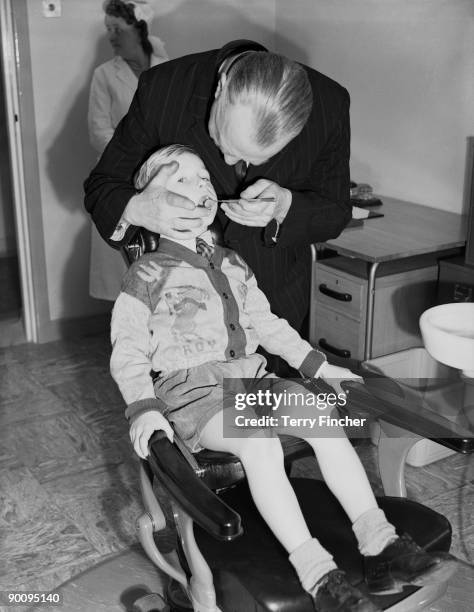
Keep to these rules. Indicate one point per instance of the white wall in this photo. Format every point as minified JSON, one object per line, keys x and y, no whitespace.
{"x":409,"y":67}
{"x":64,"y":52}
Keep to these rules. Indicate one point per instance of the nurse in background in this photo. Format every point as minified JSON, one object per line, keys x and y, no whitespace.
{"x":112,"y":89}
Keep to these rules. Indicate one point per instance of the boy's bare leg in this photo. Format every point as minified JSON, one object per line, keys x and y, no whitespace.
{"x":262,"y":459}
{"x":342,"y":471}
{"x":341,"y":468}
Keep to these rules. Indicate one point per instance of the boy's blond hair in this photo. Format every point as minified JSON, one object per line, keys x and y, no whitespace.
{"x":150,"y":168}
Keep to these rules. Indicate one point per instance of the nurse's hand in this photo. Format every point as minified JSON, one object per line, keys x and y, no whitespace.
{"x":162,"y":211}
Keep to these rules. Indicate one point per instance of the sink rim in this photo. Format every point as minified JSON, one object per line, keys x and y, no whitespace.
{"x":438,"y":340}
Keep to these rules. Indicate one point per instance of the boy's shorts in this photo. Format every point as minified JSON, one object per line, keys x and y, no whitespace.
{"x":193,"y":396}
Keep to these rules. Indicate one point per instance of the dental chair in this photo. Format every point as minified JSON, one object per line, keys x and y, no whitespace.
{"x":227,"y":559}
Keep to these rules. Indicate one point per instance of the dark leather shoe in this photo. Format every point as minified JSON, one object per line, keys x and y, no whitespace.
{"x":404,"y":562}
{"x":336,"y":594}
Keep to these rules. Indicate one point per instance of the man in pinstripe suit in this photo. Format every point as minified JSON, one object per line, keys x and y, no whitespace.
{"x":241,"y":108}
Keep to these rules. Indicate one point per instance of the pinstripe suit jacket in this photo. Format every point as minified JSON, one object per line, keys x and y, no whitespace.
{"x":171,"y":105}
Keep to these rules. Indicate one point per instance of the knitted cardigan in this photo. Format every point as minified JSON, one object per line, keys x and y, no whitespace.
{"x":177,"y":310}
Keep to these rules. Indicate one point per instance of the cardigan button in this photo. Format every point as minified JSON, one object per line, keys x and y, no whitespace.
{"x":225,"y":296}
{"x":232,"y":353}
{"x":232,"y":326}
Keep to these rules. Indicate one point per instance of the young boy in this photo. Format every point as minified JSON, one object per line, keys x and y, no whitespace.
{"x":191,"y":313}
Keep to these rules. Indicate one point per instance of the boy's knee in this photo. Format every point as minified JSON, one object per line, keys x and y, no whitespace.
{"x":261,"y":451}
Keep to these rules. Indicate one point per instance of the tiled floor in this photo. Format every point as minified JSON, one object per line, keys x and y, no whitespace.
{"x":69,"y":495}
{"x":68,"y":479}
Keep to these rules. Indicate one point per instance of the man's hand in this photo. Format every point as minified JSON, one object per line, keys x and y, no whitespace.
{"x":259,"y":214}
{"x":333,"y":375}
{"x":143,"y":428}
{"x":163,"y":211}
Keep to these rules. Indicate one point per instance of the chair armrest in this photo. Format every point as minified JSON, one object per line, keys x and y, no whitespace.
{"x":184,"y":486}
{"x":355,"y":365}
{"x":382,"y":398}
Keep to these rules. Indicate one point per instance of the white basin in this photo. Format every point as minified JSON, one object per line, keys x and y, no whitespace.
{"x":448,"y":334}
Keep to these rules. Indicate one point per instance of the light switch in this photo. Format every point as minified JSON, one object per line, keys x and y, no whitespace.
{"x":52,"y":8}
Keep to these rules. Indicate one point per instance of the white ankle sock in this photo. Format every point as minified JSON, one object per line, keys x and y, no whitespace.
{"x":373,"y":532}
{"x":311,"y":562}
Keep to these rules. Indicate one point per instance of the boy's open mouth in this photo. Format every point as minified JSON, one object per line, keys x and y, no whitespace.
{"x":206,"y":202}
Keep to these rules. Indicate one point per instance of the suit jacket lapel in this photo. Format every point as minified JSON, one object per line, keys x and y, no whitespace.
{"x":267,"y":169}
{"x":223,"y":175}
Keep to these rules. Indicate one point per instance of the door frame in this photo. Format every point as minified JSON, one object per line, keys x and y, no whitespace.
{"x":21,"y":127}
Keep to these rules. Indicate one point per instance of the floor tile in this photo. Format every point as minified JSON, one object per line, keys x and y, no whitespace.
{"x":41,"y":404}
{"x":438,"y":477}
{"x":88,"y":390}
{"x":16,"y":382}
{"x":111,"y":587}
{"x":459,"y":595}
{"x":6,"y":356}
{"x":458,"y":507}
{"x":104,"y":506}
{"x":57,"y":445}
{"x":50,"y":581}
{"x":69,"y":494}
{"x":60,"y":361}
{"x":35,"y":536}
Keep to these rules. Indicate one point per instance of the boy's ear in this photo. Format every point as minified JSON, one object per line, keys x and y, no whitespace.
{"x":163,"y":172}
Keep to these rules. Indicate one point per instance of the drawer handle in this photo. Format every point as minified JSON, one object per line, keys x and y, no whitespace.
{"x":336,"y":295}
{"x":332,"y":349}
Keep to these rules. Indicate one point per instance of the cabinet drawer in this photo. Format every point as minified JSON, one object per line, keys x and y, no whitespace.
{"x":337,"y":291}
{"x":399,"y":301}
{"x":337,"y":334}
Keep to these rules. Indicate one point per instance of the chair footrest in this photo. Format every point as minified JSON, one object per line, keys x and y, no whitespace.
{"x":234,"y":564}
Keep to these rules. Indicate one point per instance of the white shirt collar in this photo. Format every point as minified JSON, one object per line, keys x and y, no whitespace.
{"x":191,"y":242}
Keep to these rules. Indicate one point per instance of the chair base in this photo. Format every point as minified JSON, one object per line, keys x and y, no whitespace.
{"x":111,"y":586}
{"x":114,"y":585}
{"x":241,"y":587}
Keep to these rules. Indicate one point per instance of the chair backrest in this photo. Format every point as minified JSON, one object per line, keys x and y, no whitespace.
{"x":146,"y":241}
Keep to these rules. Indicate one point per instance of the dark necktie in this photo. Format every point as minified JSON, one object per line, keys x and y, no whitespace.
{"x":204,"y":249}
{"x":240,"y":170}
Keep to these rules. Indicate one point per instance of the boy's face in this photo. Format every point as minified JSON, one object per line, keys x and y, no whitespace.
{"x":192,"y":180}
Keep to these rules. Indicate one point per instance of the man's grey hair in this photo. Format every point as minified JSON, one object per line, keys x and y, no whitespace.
{"x":277,"y":89}
{"x":151,"y":166}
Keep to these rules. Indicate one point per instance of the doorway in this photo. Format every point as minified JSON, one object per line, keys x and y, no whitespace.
{"x":10,"y":295}
{"x":25,"y":305}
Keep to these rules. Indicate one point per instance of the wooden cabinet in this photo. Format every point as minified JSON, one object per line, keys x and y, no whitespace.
{"x":403,"y":290}
{"x":396,"y":256}
{"x":456,"y":281}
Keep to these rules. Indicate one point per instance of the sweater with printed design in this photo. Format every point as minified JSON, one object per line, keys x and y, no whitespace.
{"x":177,"y":310}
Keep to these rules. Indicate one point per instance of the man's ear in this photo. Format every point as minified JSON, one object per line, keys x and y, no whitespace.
{"x":220,"y":84}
